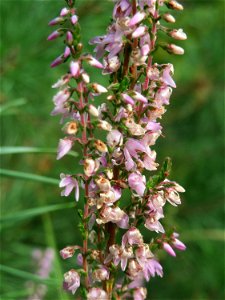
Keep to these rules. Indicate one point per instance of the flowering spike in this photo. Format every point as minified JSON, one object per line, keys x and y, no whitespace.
{"x":117,"y":138}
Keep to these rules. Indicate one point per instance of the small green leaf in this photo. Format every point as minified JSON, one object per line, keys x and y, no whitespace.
{"x":161,"y":176}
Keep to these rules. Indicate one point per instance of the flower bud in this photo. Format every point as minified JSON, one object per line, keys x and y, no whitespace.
{"x":101,"y":274}
{"x":59,"y":60}
{"x":68,"y":252}
{"x":71,"y":128}
{"x":175,"y":5}
{"x":69,"y":38}
{"x":85,"y":77}
{"x":103,"y":184}
{"x":54,"y":35}
{"x":93,"y":62}
{"x":74,"y":68}
{"x":55,"y":21}
{"x":67,"y":52}
{"x":139,"y":32}
{"x":100,"y":146}
{"x":114,"y":138}
{"x":104,"y":125}
{"x":93,"y":110}
{"x":137,"y":18}
{"x":64,"y":12}
{"x":90,"y":166}
{"x":74,"y":19}
{"x":169,"y":18}
{"x":168,"y":249}
{"x":178,"y":34}
{"x":71,"y":281}
{"x":174,"y":49}
{"x":99,"y":88}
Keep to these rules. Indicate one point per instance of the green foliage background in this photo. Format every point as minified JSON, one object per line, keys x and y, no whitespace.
{"x":33,"y":213}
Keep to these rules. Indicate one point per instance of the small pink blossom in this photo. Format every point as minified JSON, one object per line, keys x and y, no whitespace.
{"x":75,"y":68}
{"x":137,"y":183}
{"x":59,"y":60}
{"x":71,"y":281}
{"x":69,"y":183}
{"x":74,"y":19}
{"x":140,"y":293}
{"x":68,"y":252}
{"x":64,"y":11}
{"x":97,"y":294}
{"x":138,"y":32}
{"x":114,"y":138}
{"x":137,"y":18}
{"x":53,"y":35}
{"x":132,"y":237}
{"x":64,"y":147}
{"x":168,"y":249}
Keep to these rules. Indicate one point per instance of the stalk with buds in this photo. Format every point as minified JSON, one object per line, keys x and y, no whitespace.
{"x":115,"y":258}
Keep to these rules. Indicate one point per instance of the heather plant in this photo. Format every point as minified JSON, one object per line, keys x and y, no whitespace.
{"x":125,"y":190}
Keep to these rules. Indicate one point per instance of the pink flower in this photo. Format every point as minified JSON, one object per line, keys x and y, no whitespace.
{"x":168,"y":249}
{"x":75,"y":68}
{"x":114,"y":138}
{"x":74,"y":19}
{"x":140,"y":31}
{"x":127,"y":99}
{"x":166,"y":76}
{"x":64,"y":147}
{"x":137,"y":183}
{"x":53,"y":35}
{"x":93,"y":62}
{"x":59,"y":60}
{"x":71,"y":281}
{"x":140,"y":293}
{"x":152,"y":267}
{"x":137,"y":18}
{"x":132,"y":237}
{"x":55,"y":21}
{"x":64,"y":11}
{"x":69,"y":183}
{"x":68,"y":252}
{"x":177,"y":243}
{"x":97,"y":294}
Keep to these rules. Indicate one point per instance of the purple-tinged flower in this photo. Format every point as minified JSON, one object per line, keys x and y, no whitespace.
{"x":177,"y":243}
{"x":137,"y":183}
{"x":137,"y":18}
{"x":93,"y":62}
{"x":169,"y":18}
{"x":68,"y":252}
{"x":71,"y":281}
{"x":59,"y":60}
{"x":55,"y":21}
{"x":69,"y":37}
{"x":54,"y":35}
{"x":145,"y":49}
{"x":166,"y":76}
{"x":168,"y":249}
{"x":152,"y":267}
{"x":139,"y":97}
{"x":67,"y":52}
{"x":64,"y":11}
{"x":127,"y":99}
{"x":114,"y":138}
{"x":99,"y":88}
{"x":138,"y":32}
{"x":75,"y":68}
{"x":74,"y":19}
{"x":174,"y":49}
{"x":175,"y":5}
{"x":101,"y":274}
{"x":64,"y":147}
{"x":97,"y":294}
{"x":140,"y":293}
{"x":90,"y":166}
{"x":69,"y":183}
{"x":178,"y":34}
{"x":79,"y":259}
{"x":132,"y":237}
{"x":111,"y":65}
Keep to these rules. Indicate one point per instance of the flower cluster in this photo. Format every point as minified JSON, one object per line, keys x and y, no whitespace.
{"x":125,"y":159}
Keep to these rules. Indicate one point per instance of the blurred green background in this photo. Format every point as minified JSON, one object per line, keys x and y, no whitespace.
{"x":34,"y":216}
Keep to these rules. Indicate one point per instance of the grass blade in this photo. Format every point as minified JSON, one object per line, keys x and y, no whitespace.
{"x":20,"y":150}
{"x":27,"y":275}
{"x":28,"y":176}
{"x":33,"y":212}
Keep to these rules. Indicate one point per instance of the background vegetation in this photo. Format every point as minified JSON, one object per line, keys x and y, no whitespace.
{"x":33,"y":213}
